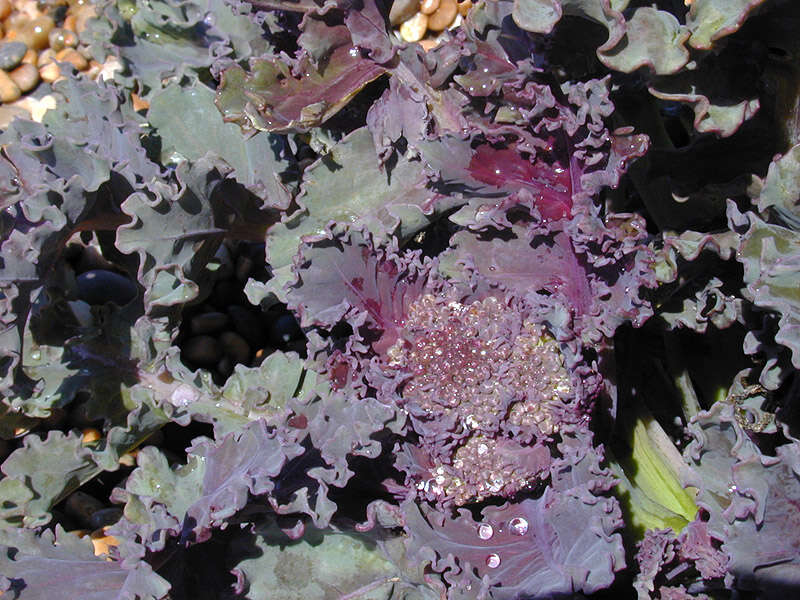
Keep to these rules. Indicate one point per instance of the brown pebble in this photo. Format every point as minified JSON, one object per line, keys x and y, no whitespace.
{"x":428,"y":7}
{"x":35,"y":32}
{"x":9,"y":91}
{"x":444,"y":15}
{"x":202,"y":350}
{"x":50,"y":72}
{"x":69,"y":22}
{"x":31,"y":57}
{"x":72,"y":56}
{"x":46,"y":56}
{"x":90,"y":435}
{"x":26,"y":76}
{"x":210,"y":322}
{"x":463,"y":7}
{"x":139,"y":103}
{"x":102,"y":543}
{"x":5,"y":8}
{"x":235,"y":346}
{"x":61,"y":38}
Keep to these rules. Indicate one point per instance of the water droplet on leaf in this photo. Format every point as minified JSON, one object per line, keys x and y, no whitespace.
{"x":518,"y":526}
{"x":485,"y":531}
{"x":493,"y":561}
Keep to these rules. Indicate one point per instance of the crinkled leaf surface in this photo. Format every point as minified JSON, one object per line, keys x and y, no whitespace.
{"x":256,"y":160}
{"x":752,"y":500}
{"x":64,"y":566}
{"x":567,"y":541}
{"x":770,"y":255}
{"x":710,"y":20}
{"x":275,"y":97}
{"x":389,"y":199}
{"x":322,"y":565}
{"x":653,"y":38}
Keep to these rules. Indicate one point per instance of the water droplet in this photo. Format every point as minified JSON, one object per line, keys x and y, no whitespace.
{"x":733,"y":488}
{"x":36,"y":355}
{"x":485,"y":531}
{"x":518,"y":526}
{"x":354,"y":52}
{"x":493,"y":561}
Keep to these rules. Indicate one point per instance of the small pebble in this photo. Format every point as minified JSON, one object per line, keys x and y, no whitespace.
{"x":415,"y":28}
{"x":35,"y":32}
{"x":26,"y":76}
{"x":91,"y":435}
{"x":31,"y":57}
{"x":402,"y":10}
{"x":128,"y":459}
{"x":225,"y":367}
{"x":11,"y":54}
{"x":247,"y":325}
{"x":72,"y":56}
{"x":50,"y":72}
{"x":61,"y":38}
{"x":444,"y":15}
{"x":82,"y":506}
{"x":9,"y":91}
{"x":463,"y":7}
{"x":5,"y":8}
{"x":103,"y":543}
{"x":202,"y":350}
{"x":235,"y":347}
{"x":284,"y":329}
{"x":210,"y":322}
{"x":104,"y":517}
{"x":225,"y":293}
{"x":261,"y":355}
{"x":244,"y":265}
{"x":428,"y":7}
{"x":99,"y":286}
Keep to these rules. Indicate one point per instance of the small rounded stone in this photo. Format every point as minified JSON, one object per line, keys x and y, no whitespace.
{"x":444,"y":15}
{"x":90,"y":435}
{"x":11,"y":54}
{"x":31,"y":57}
{"x":5,"y":8}
{"x":35,"y":32}
{"x":210,"y":322}
{"x":244,"y":265}
{"x":225,"y":367}
{"x":61,"y":38}
{"x":99,"y":286}
{"x":104,"y":517}
{"x":202,"y":350}
{"x":463,"y":7}
{"x":428,"y":7}
{"x":284,"y":329}
{"x":235,"y":346}
{"x":103,"y":543}
{"x":72,"y":56}
{"x":50,"y":72}
{"x":402,"y":10}
{"x":26,"y":76}
{"x":415,"y":28}
{"x":9,"y":91}
{"x":247,"y":325}
{"x":82,"y":506}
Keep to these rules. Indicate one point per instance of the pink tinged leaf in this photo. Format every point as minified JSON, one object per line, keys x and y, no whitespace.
{"x":550,"y":185}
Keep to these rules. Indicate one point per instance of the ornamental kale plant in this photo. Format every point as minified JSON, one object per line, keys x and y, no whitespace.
{"x":294,"y":308}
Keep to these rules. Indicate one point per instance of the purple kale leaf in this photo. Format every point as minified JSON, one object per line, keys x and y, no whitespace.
{"x":559,"y":543}
{"x":64,"y":566}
